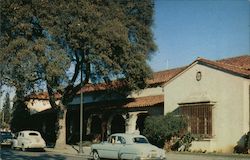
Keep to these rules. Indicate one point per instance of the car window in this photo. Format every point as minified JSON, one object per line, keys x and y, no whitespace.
{"x":33,"y":134}
{"x":140,"y":140}
{"x":121,"y":140}
{"x":111,"y":139}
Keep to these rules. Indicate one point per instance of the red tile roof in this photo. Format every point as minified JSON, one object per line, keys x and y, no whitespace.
{"x":237,"y":65}
{"x":163,"y":76}
{"x":241,"y":61}
{"x":145,"y":101}
{"x":42,"y":96}
{"x":149,"y":101}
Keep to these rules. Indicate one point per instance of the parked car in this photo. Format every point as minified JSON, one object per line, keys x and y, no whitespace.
{"x":6,"y":138}
{"x":28,"y":139}
{"x":126,"y":146}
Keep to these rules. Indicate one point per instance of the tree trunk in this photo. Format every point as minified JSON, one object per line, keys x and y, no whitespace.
{"x":61,"y":133}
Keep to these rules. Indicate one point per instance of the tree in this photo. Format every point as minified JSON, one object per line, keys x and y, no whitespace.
{"x":46,"y":44}
{"x":7,"y":109}
{"x":20,"y":117}
{"x":158,"y":129}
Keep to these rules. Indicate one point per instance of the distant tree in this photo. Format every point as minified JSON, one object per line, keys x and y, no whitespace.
{"x":158,"y":129}
{"x":7,"y":109}
{"x":46,"y":44}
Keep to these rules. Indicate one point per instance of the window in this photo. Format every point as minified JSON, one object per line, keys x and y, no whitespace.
{"x":140,"y":140}
{"x":199,"y":117}
{"x":33,"y":134}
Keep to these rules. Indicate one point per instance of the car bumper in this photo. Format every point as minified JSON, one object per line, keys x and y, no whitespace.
{"x":6,"y":143}
{"x":36,"y":146}
{"x":149,"y":158}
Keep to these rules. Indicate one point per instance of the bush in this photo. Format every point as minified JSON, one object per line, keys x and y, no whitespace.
{"x":159,"y":129}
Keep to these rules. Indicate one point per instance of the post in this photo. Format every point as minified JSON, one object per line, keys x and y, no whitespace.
{"x":81,"y":118}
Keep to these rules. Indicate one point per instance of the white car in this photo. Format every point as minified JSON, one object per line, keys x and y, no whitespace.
{"x":28,"y":139}
{"x":126,"y":146}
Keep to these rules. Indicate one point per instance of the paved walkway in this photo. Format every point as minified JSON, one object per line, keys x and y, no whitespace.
{"x":71,"y":150}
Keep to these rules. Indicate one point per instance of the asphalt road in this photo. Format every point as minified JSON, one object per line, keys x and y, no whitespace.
{"x":8,"y":154}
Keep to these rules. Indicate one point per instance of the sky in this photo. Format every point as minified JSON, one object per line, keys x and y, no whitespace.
{"x":187,"y":29}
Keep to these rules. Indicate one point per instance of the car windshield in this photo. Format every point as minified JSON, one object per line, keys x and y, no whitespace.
{"x":6,"y":135}
{"x":140,"y":140}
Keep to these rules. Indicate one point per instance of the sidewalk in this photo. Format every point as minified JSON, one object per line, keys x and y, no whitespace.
{"x":71,"y":150}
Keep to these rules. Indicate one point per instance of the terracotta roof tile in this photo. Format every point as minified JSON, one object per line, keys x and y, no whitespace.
{"x":148,"y":101}
{"x":164,"y":76}
{"x":42,"y":96}
{"x":241,"y":61}
{"x":145,"y":101}
{"x":237,"y":65}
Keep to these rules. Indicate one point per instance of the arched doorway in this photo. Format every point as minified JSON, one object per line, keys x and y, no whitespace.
{"x":96,"y":125}
{"x":118,"y":124}
{"x":140,"y":121}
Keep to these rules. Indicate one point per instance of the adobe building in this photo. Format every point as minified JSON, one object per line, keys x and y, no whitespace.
{"x":213,"y":95}
{"x":105,"y":112}
{"x":215,"y":98}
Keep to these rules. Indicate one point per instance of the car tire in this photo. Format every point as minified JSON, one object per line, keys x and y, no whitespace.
{"x":96,"y":155}
{"x":23,"y":148}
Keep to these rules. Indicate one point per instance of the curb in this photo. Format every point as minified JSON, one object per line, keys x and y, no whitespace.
{"x":61,"y":152}
{"x":212,"y":154}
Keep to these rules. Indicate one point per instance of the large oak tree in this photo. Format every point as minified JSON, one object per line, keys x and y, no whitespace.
{"x":46,"y":43}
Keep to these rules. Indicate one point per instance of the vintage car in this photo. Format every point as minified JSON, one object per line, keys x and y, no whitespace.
{"x":28,"y":139}
{"x":6,"y":138}
{"x":126,"y":146}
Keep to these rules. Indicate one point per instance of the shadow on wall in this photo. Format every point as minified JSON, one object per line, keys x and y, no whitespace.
{"x":243,"y":145}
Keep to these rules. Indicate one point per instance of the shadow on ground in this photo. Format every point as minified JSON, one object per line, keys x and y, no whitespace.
{"x":7,"y":154}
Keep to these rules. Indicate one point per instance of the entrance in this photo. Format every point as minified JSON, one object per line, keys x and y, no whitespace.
{"x":118,"y":124}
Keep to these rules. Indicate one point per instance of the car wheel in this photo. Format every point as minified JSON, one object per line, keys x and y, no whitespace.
{"x":23,"y":148}
{"x":96,"y":155}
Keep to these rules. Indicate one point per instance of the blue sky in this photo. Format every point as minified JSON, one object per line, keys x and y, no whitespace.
{"x":187,"y":29}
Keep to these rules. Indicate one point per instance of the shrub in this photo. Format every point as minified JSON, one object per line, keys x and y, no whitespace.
{"x":159,"y":129}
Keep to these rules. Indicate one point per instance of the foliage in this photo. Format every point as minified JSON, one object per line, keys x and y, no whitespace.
{"x":46,"y":44}
{"x":41,"y":40}
{"x":21,"y":117}
{"x":159,"y":129}
{"x":182,"y":143}
{"x":6,"y":112}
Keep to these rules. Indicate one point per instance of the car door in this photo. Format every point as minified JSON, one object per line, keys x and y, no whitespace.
{"x":111,"y":148}
{"x":116,"y":146}
{"x":20,"y":139}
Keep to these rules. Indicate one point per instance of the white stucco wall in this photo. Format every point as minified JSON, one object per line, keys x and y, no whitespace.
{"x":148,"y":92}
{"x":36,"y":105}
{"x":230,"y":115}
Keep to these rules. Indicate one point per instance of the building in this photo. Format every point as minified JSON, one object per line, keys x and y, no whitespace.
{"x":213,"y":95}
{"x":215,"y":98}
{"x":105,"y":111}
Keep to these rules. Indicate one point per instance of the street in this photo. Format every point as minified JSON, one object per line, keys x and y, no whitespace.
{"x":8,"y":154}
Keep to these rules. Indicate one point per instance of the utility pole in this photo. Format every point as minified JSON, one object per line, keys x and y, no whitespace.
{"x":81,"y":117}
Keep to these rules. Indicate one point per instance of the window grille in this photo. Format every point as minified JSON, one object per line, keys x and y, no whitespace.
{"x":199,"y":117}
